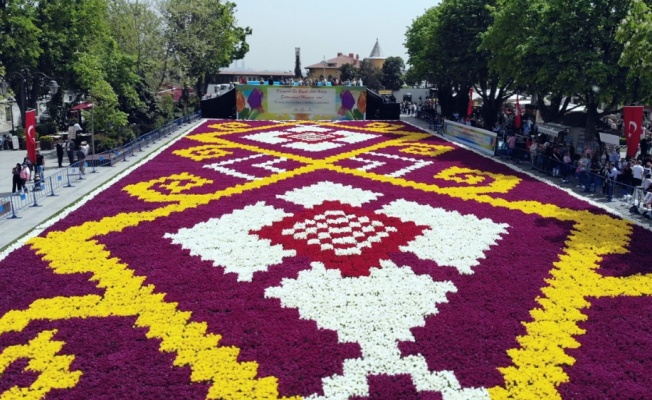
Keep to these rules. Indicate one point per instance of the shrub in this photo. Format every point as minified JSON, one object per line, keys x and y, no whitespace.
{"x":46,"y":142}
{"x":48,"y":128}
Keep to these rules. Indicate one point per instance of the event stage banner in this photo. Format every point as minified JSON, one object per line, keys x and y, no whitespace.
{"x":479,"y":139}
{"x":263,"y":102}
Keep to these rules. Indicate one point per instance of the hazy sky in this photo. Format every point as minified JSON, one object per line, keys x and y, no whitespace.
{"x":323,"y":29}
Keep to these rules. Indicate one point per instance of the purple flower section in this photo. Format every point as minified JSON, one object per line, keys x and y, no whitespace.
{"x":614,"y":360}
{"x":24,"y":278}
{"x":17,"y":375}
{"x":396,"y":387}
{"x":285,"y":346}
{"x":118,"y":362}
{"x":636,"y":261}
{"x":470,"y":335}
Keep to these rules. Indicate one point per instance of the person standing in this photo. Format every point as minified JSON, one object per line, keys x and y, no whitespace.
{"x":70,"y":149}
{"x":84,"y":147}
{"x":511,"y":145}
{"x":59,"y":147}
{"x":18,"y":183}
{"x":645,"y":147}
{"x":40,"y":164}
{"x":612,"y":175}
{"x":81,"y":158}
{"x":28,"y":163}
{"x":637,"y":173}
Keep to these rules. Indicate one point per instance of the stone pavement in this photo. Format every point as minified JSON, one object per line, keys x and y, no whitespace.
{"x":12,"y":230}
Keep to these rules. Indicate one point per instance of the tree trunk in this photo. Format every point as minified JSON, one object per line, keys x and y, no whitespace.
{"x":489,"y":112}
{"x":555,"y":110}
{"x":591,"y":121}
{"x":446,"y":100}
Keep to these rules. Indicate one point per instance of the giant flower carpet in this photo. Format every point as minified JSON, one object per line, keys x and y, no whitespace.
{"x":327,"y":260}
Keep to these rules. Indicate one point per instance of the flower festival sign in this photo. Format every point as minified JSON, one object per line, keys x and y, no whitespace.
{"x":263,"y":102}
{"x":327,"y":260}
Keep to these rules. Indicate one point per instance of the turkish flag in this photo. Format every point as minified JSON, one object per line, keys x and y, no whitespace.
{"x":517,"y":117}
{"x":633,"y":116}
{"x":30,"y":134}
{"x":469,"y":109}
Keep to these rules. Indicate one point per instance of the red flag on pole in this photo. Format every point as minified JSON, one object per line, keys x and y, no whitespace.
{"x":633,"y":118}
{"x":517,"y":117}
{"x":30,"y":134}
{"x":469,"y":109}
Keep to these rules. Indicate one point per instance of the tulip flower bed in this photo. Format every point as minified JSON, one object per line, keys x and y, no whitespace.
{"x":327,"y":260}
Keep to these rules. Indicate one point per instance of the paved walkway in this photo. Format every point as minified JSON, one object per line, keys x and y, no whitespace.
{"x":31,"y":217}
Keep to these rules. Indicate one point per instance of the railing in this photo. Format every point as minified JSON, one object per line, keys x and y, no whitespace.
{"x":589,"y":182}
{"x":11,"y":205}
{"x":434,"y":120}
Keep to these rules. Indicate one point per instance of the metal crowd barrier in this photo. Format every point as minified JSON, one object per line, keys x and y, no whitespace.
{"x":590,"y":182}
{"x":11,"y":205}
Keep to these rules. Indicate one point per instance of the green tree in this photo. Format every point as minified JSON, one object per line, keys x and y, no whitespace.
{"x":138,"y":29}
{"x":444,"y":48}
{"x":66,"y":40}
{"x":348,"y":72}
{"x":393,"y":69}
{"x":635,"y":34}
{"x":370,"y":75}
{"x":421,"y":58}
{"x":203,"y":37}
{"x":564,"y":49}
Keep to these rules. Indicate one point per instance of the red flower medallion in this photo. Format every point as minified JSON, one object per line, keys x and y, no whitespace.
{"x":342,"y":237}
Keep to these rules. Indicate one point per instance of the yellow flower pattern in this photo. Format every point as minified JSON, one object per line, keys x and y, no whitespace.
{"x":537,"y":363}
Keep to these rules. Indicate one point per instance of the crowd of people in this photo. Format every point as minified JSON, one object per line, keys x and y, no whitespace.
{"x":324,"y":81}
{"x":33,"y":172}
{"x":595,"y":168}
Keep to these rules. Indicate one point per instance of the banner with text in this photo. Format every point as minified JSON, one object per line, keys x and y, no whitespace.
{"x":477,"y":138}
{"x":265,"y":102}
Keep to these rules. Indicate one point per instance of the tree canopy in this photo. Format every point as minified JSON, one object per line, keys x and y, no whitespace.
{"x":116,"y":53}
{"x":393,"y":70}
{"x":596,"y":51}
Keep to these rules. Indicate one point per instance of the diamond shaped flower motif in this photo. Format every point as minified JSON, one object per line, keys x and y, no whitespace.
{"x":311,"y":138}
{"x":341,"y":236}
{"x":335,"y":230}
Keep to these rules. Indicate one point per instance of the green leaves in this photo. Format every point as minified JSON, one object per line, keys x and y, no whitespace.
{"x":204,"y":37}
{"x":393,"y":73}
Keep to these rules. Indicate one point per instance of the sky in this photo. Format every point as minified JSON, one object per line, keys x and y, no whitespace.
{"x":323,"y":28}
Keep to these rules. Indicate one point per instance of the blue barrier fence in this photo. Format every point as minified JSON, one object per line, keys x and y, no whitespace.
{"x":589,"y":182}
{"x":11,"y":205}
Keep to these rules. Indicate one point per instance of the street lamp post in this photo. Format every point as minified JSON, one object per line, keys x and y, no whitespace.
{"x":324,"y":64}
{"x":92,"y":128}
